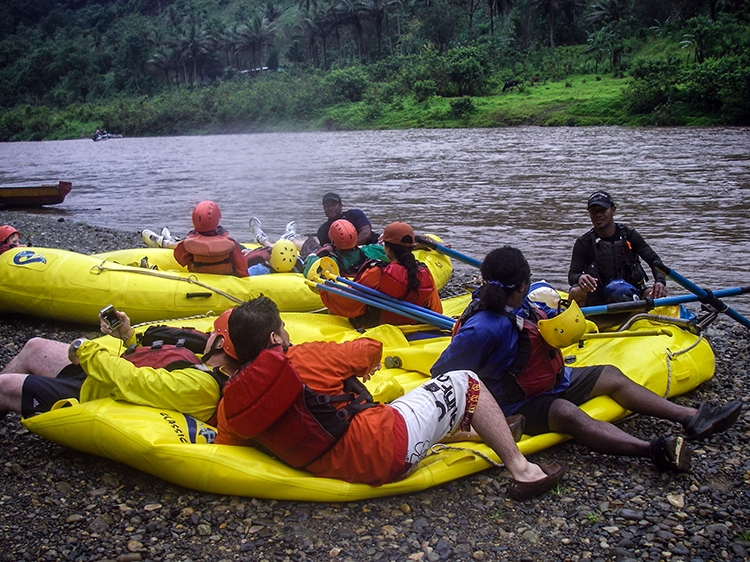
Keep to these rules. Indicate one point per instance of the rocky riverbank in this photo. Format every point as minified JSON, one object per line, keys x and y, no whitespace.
{"x":59,"y":504}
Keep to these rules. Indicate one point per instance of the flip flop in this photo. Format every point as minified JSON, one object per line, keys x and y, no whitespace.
{"x":521,"y":491}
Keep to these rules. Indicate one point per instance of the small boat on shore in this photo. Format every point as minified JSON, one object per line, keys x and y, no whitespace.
{"x":655,"y":352}
{"x":72,"y":287}
{"x":35,"y":196}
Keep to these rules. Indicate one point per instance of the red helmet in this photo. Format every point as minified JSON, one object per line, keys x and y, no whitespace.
{"x":6,"y":231}
{"x":343,"y":235}
{"x":221,"y":327}
{"x":206,"y":216}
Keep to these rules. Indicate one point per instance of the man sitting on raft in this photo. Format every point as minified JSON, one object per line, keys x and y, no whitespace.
{"x":46,"y":371}
{"x":334,"y":210}
{"x":605,"y":266}
{"x":306,"y":406}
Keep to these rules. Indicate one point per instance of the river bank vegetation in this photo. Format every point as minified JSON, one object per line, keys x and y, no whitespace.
{"x":143,"y":67}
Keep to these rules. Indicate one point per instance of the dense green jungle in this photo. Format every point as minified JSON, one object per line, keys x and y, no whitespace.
{"x":161,"y":67}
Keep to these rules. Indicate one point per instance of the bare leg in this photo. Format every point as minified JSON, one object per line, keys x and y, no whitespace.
{"x":489,"y":422}
{"x":11,"y":386}
{"x":599,"y":436}
{"x":638,"y":399}
{"x":39,"y":356}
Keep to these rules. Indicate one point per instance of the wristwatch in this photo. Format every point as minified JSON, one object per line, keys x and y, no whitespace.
{"x":77,"y":343}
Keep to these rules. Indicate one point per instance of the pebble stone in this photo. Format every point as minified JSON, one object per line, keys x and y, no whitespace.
{"x":60,"y":504}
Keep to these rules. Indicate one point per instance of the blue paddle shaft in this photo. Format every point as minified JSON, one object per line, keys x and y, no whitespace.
{"x":351,"y":293}
{"x":703,"y":295}
{"x":648,"y":304}
{"x":392,"y":300}
{"x":430,"y":243}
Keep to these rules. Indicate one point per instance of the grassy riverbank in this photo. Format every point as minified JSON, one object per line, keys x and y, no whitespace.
{"x":577,"y":100}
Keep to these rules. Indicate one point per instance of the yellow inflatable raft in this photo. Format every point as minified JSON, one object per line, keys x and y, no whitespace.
{"x":72,"y":287}
{"x":177,"y":448}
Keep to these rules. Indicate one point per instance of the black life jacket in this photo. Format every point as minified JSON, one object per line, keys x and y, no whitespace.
{"x":617,"y":260}
{"x":537,"y":367}
{"x":266,"y":401}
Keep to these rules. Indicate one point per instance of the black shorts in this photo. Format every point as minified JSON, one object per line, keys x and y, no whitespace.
{"x":39,"y":394}
{"x":536,"y":410}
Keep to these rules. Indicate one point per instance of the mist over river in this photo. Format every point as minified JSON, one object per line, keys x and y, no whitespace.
{"x":687,"y":190}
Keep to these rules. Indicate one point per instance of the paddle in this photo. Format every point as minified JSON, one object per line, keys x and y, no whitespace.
{"x":390,"y":307}
{"x":326,"y":267}
{"x":430,"y":243}
{"x":703,"y":295}
{"x":355,"y":288}
{"x":648,"y":304}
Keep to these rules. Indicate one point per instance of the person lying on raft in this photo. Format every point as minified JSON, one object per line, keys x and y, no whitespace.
{"x":499,"y":338}
{"x":305,"y":405}
{"x":208,"y":248}
{"x":401,"y":277}
{"x":606,"y":263}
{"x":344,"y":250}
{"x":46,"y":371}
{"x":281,"y":256}
{"x":9,"y":238}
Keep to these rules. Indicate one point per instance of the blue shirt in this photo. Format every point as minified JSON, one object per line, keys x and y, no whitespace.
{"x":354,"y":216}
{"x":487,"y":344}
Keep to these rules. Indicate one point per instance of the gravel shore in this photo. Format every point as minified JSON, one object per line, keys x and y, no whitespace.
{"x":59,"y":504}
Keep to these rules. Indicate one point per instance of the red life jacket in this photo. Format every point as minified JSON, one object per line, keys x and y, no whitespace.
{"x":258,"y":255}
{"x":267,"y":402}
{"x":537,"y":366}
{"x":211,"y":254}
{"x":394,"y":281}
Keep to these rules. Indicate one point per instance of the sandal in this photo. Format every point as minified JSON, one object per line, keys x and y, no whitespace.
{"x":521,"y":491}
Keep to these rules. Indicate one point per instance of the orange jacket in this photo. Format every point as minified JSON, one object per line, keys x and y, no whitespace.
{"x":390,"y":279}
{"x":218,"y":254}
{"x":373,"y":448}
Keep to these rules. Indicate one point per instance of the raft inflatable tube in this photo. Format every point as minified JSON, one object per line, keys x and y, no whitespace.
{"x":72,"y":287}
{"x":177,"y":448}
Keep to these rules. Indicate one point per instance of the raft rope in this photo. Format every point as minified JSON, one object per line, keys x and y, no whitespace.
{"x":671,"y":355}
{"x":190,"y":279}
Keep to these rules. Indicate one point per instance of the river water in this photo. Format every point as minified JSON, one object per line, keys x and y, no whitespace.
{"x":687,"y":190}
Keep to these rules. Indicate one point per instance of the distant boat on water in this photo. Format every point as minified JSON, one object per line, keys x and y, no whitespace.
{"x":98,"y":136}
{"x":34,"y":196}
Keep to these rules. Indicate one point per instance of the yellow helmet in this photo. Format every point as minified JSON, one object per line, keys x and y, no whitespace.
{"x":564,"y":329}
{"x":283,"y":256}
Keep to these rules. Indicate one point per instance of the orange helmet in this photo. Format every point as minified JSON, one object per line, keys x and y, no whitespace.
{"x":343,"y":235}
{"x":221,"y":327}
{"x":6,"y":231}
{"x":206,"y":216}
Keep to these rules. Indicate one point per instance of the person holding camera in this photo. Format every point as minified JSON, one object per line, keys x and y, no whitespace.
{"x":46,"y":371}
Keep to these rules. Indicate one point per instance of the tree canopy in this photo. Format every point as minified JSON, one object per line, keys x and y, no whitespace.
{"x":54,"y":54}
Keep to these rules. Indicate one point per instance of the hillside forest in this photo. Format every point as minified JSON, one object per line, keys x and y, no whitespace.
{"x":159,"y":67}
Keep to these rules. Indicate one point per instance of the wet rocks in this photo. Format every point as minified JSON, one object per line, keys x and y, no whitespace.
{"x":59,"y":504}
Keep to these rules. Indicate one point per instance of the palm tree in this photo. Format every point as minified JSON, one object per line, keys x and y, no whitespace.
{"x":166,"y":59}
{"x":549,"y":10}
{"x":271,"y":11}
{"x":255,"y":34}
{"x":377,"y":12}
{"x":347,"y":13}
{"x":499,"y":7}
{"x":193,"y":42}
